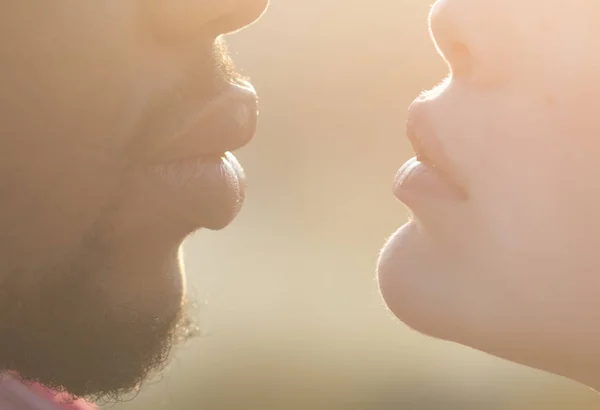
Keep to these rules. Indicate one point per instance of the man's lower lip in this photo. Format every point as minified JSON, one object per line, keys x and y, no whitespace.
{"x":416,"y":182}
{"x":207,"y":192}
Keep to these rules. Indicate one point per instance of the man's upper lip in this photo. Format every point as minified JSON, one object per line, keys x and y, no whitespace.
{"x":224,"y":123}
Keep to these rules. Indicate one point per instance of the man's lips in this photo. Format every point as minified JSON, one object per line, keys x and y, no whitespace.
{"x":196,"y":176}
{"x":225,"y":123}
{"x":204,"y":192}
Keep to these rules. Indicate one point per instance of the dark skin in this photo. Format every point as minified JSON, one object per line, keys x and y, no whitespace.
{"x":92,"y":289}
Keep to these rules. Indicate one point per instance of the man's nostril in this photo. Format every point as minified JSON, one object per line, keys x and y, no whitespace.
{"x":182,"y":20}
{"x":238,"y":18}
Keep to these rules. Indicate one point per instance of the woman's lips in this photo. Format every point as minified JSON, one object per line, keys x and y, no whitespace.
{"x":431,"y":175}
{"x":417,"y":182}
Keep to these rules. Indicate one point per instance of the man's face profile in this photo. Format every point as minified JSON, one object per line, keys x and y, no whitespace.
{"x":502,"y":251}
{"x":116,"y":122}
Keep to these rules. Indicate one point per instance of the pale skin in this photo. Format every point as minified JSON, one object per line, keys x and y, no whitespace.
{"x":514,"y":270}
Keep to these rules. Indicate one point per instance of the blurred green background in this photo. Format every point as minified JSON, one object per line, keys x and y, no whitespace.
{"x":292,"y":318}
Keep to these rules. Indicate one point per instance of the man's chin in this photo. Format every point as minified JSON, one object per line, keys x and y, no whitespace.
{"x":94,"y":361}
{"x":94,"y":334}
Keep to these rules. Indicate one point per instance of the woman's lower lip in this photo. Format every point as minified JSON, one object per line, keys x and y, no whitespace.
{"x":416,"y":182}
{"x":207,"y":191}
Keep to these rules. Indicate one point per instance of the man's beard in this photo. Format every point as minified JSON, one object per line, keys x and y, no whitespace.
{"x":73,"y":330}
{"x":66,"y":329}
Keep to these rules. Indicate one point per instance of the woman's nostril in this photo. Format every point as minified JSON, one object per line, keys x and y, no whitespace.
{"x":452,"y":33}
{"x":460,"y":59}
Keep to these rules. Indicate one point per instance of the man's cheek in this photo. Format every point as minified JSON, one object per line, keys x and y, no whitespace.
{"x":44,"y":220}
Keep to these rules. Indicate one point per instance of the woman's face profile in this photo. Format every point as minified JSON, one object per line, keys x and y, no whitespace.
{"x":503,"y":250}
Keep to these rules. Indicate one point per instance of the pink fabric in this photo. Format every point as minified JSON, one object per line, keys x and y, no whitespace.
{"x":15,"y":395}
{"x":61,"y":399}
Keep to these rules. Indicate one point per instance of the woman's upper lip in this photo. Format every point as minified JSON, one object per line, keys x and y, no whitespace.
{"x":224,"y":123}
{"x":425,"y":141}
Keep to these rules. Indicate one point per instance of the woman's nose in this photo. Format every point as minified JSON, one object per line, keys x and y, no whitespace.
{"x":188,"y":19}
{"x":472,"y":36}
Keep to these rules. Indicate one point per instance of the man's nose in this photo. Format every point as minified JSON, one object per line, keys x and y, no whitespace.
{"x":181,"y":19}
{"x":474,"y":38}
